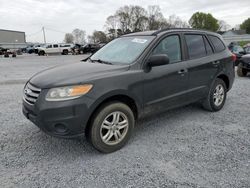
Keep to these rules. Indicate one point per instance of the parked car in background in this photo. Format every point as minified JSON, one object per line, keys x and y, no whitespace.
{"x":90,"y":48}
{"x":244,"y":65}
{"x":63,"y":49}
{"x":76,"y":49}
{"x":3,"y":50}
{"x":247,"y":49}
{"x":36,"y":47}
{"x":130,"y":77}
{"x":30,"y":49}
{"x":239,"y":52}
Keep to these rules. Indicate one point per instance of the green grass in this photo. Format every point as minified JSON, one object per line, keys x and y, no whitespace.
{"x":242,"y":43}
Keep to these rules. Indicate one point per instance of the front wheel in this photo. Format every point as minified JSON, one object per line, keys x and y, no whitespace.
{"x":111,"y":127}
{"x":216,"y":97}
{"x":241,"y":72}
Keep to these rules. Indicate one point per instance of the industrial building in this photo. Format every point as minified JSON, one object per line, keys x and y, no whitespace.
{"x":12,"y":39}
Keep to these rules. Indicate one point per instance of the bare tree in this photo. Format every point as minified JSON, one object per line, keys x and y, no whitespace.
{"x":176,"y":22}
{"x":111,"y":26}
{"x":79,"y":36}
{"x":223,"y":26}
{"x":98,"y":37}
{"x":156,"y":19}
{"x":138,"y":18}
{"x":68,"y":38}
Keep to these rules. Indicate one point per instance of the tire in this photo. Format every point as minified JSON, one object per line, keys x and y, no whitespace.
{"x":65,"y":52}
{"x":41,"y":53}
{"x":99,"y":131}
{"x":215,"y":103}
{"x":241,"y":72}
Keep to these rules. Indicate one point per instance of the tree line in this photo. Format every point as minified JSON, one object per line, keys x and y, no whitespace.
{"x":134,"y":18}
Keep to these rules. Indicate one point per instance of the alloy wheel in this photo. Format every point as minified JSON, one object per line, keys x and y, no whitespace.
{"x":114,"y":128}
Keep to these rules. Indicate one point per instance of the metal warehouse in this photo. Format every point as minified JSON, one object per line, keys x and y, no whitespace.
{"x":12,"y":39}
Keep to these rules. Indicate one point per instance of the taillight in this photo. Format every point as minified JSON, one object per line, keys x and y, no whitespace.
{"x":233,"y":57}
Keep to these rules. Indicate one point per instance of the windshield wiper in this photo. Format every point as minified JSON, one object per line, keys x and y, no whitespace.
{"x":100,"y":61}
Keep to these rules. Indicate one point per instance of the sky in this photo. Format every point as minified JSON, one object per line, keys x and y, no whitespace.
{"x":62,"y":16}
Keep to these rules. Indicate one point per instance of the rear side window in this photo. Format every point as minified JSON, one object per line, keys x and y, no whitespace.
{"x":195,"y":45}
{"x":218,"y":44}
{"x":55,"y":45}
{"x":171,"y":47}
{"x":208,"y":46}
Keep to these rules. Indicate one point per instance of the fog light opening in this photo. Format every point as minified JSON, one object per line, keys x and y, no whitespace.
{"x":60,"y":128}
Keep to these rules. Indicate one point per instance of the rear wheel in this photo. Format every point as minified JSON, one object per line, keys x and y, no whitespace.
{"x":41,"y":53}
{"x":111,"y":127}
{"x":241,"y":72}
{"x":65,"y":52}
{"x":216,"y":97}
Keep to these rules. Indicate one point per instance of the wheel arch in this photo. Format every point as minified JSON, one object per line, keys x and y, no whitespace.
{"x":225,"y":78}
{"x":124,"y":98}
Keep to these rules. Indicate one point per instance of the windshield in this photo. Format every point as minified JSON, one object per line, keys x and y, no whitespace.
{"x":237,"y":49}
{"x":123,"y":50}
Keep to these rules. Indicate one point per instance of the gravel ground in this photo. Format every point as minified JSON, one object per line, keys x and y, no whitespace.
{"x":185,"y":147}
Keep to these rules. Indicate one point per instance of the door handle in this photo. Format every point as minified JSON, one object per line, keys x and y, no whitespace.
{"x":182,"y":71}
{"x":216,"y":62}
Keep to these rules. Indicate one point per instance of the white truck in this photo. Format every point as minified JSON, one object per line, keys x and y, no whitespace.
{"x":63,"y":49}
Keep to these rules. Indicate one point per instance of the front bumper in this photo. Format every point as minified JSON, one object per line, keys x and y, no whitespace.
{"x":245,"y":65}
{"x":65,"y":119}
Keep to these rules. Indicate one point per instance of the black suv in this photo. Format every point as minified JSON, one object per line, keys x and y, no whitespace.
{"x":130,"y":77}
{"x":244,"y":65}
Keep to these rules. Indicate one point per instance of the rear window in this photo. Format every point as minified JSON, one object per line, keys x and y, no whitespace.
{"x":208,"y":46}
{"x":195,"y":45}
{"x":218,"y":44}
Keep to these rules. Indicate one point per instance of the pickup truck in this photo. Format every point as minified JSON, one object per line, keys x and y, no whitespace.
{"x":64,"y":49}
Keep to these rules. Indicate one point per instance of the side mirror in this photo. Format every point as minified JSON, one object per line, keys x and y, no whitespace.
{"x":158,"y":60}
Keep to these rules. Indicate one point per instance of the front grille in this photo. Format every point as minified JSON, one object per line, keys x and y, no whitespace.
{"x":31,"y":94}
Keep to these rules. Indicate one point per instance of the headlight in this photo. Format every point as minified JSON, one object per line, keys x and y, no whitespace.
{"x":67,"y":93}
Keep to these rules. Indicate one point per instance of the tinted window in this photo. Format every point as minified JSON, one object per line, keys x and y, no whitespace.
{"x":208,"y":47}
{"x":170,"y":46}
{"x":49,"y":46}
{"x":218,"y":44}
{"x":195,"y":45}
{"x":55,"y":46}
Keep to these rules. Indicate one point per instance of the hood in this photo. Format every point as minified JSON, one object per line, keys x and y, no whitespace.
{"x":245,"y":58}
{"x":76,"y":73}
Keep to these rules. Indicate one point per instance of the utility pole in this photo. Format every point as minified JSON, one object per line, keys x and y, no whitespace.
{"x":44,"y":38}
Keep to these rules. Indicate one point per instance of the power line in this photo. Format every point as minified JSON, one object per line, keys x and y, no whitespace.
{"x":56,"y":30}
{"x":34,"y":33}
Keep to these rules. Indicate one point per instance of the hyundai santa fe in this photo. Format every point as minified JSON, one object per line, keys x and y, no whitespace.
{"x":130,"y":77}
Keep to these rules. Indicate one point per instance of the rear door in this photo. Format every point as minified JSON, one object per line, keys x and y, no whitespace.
{"x":55,"y":48}
{"x":166,"y":86}
{"x":202,"y":66}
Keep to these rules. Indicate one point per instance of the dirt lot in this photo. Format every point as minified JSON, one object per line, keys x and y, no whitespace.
{"x":185,"y":147}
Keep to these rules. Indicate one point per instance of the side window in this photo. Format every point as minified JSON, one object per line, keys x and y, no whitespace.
{"x":55,"y":45}
{"x":195,"y":45}
{"x":208,"y":46}
{"x":49,"y":46}
{"x":218,"y":44}
{"x":171,"y":47}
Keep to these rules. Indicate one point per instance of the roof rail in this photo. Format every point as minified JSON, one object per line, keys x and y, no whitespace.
{"x":167,"y":29}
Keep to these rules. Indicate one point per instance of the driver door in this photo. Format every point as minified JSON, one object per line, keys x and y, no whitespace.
{"x":166,"y":86}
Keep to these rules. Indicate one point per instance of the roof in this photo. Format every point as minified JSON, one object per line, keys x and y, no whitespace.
{"x":162,"y":31}
{"x":12,"y":31}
